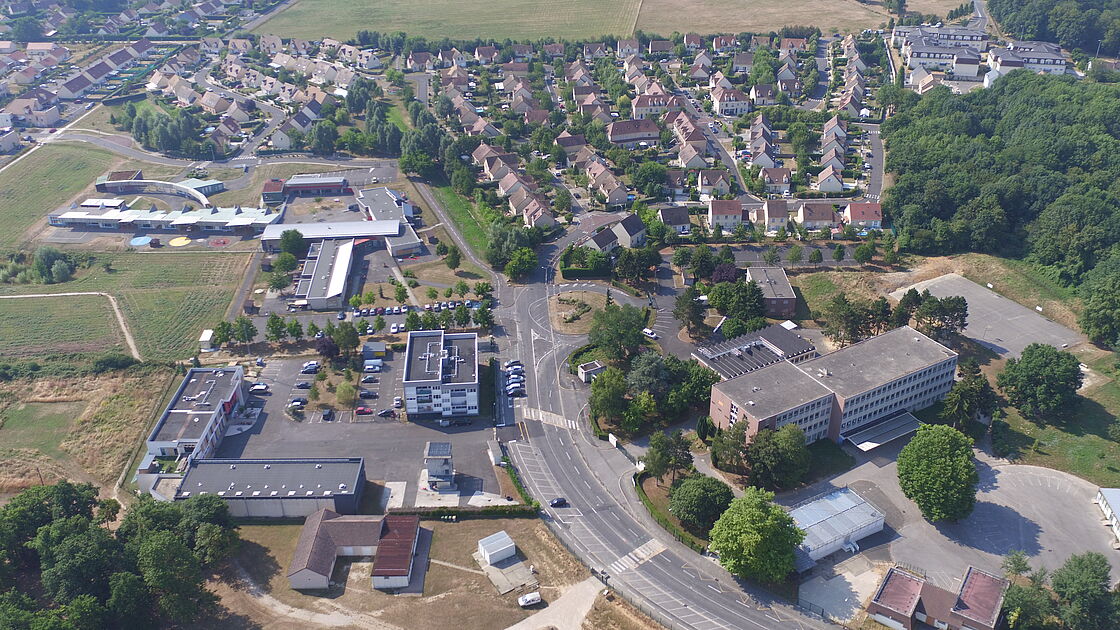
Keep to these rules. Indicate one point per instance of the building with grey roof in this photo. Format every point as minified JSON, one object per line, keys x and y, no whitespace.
{"x":326,"y":274}
{"x":278,"y":488}
{"x":385,"y":204}
{"x":439,"y":465}
{"x":746,"y":353}
{"x":195,"y":421}
{"x":842,"y":393}
{"x":831,"y":521}
{"x":327,"y":535}
{"x":441,"y":373}
{"x":777,"y":292}
{"x":315,"y":184}
{"x":119,"y":216}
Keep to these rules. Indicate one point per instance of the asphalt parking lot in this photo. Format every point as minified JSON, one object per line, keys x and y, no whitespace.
{"x":996,"y":322}
{"x":392,"y":448}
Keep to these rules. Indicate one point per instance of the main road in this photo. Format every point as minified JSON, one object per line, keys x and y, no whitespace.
{"x":550,"y":443}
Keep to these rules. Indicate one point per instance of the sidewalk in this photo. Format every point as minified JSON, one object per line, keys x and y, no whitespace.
{"x":567,"y":612}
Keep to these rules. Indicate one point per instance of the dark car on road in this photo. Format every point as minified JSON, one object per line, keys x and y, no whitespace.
{"x":385,"y":413}
{"x":558,"y":502}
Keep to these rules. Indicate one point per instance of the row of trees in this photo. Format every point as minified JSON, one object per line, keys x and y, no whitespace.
{"x":146,"y":574}
{"x":655,"y":391}
{"x":177,"y":133}
{"x":851,"y":321}
{"x":1076,"y":596}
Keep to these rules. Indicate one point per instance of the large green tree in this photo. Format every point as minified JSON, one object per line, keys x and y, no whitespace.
{"x":292,"y":242}
{"x":699,"y":500}
{"x":1042,"y":381}
{"x":1085,"y":599}
{"x":617,"y":330}
{"x":937,"y":472}
{"x":608,"y":394}
{"x":755,"y":538}
{"x":778,"y":459}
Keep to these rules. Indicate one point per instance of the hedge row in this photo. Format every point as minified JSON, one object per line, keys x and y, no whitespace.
{"x":490,"y":511}
{"x":516,"y":478}
{"x":579,"y":273}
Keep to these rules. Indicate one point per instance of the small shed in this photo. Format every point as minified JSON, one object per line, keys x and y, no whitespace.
{"x":374,"y":350}
{"x":494,"y":449}
{"x":496,"y":547}
{"x":206,"y":340}
{"x":588,"y":371}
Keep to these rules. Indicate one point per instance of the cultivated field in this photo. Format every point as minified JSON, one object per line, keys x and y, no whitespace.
{"x":65,"y":325}
{"x":578,"y":19}
{"x":167,"y":299}
{"x":46,"y":180}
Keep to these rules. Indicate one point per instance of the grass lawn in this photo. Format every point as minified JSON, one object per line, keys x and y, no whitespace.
{"x":38,"y":425}
{"x":65,"y":325}
{"x":437,"y":274}
{"x":60,"y":171}
{"x":167,"y":298}
{"x":614,"y":613}
{"x":462,"y":212}
{"x":816,"y":288}
{"x":398,"y":117}
{"x":573,"y":302}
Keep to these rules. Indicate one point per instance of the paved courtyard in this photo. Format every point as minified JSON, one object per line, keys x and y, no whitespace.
{"x":1048,"y":514}
{"x":996,"y":322}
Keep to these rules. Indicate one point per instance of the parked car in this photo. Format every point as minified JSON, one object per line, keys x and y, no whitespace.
{"x":649,"y":333}
{"x":258,"y":388}
{"x":363,"y":411}
{"x":365,"y":312}
{"x":394,"y":328}
{"x":341,"y":315}
{"x":512,"y":363}
{"x":328,"y":415}
{"x":310,"y":370}
{"x":369,"y":378}
{"x":303,"y":385}
{"x":397,"y":402}
{"x":297,"y":402}
{"x":385,"y":413}
{"x":558,"y":502}
{"x":366,"y":393}
{"x":529,"y":599}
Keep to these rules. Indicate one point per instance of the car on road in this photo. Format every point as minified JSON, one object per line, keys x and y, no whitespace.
{"x":369,"y":378}
{"x":386,"y":413}
{"x":649,"y":333}
{"x":397,"y":402}
{"x":303,"y":385}
{"x":363,"y":411}
{"x":558,"y":502}
{"x":258,"y":388}
{"x":328,"y":415}
{"x":341,"y":315}
{"x":297,"y":402}
{"x":367,"y":393}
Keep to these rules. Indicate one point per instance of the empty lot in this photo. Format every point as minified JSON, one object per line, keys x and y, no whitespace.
{"x":996,"y":322}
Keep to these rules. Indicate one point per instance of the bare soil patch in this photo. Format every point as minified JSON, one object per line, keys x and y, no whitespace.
{"x":571,"y":312}
{"x":611,"y":612}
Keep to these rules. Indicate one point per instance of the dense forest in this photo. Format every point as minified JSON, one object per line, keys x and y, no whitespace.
{"x":1027,"y":168}
{"x":1072,"y":23}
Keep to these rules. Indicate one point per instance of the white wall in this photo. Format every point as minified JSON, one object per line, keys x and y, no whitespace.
{"x":306,"y":579}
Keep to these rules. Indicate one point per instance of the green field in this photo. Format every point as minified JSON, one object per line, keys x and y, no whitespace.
{"x":167,"y":299}
{"x":71,"y":325}
{"x":462,"y":213}
{"x":38,"y":426}
{"x":577,"y":19}
{"x":47,"y":179}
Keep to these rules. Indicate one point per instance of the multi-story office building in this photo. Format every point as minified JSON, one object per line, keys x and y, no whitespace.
{"x":441,"y":373}
{"x":843,"y":392}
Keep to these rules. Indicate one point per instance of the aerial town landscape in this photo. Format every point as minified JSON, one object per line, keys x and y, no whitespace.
{"x":581,"y":316}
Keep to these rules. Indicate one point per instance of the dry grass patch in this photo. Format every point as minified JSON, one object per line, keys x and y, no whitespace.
{"x":84,"y":429}
{"x":611,"y":612}
{"x":571,"y":312}
{"x":729,"y":16}
{"x":251,"y":194}
{"x":436,"y":273}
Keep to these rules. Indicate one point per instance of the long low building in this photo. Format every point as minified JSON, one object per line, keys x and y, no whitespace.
{"x":314,"y":184}
{"x":841,"y":393}
{"x":326,"y":274}
{"x":327,"y":535}
{"x":278,"y":488}
{"x":114,"y":214}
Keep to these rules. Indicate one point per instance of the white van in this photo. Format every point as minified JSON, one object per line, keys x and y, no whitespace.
{"x":649,"y":333}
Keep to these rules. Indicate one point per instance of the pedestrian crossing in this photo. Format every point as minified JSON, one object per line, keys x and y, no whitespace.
{"x":644,"y":552}
{"x":547,"y":417}
{"x":872,"y":197}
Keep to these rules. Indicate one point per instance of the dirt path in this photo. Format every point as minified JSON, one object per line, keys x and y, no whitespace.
{"x":132,"y":348}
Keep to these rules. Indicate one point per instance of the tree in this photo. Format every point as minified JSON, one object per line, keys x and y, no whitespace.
{"x":346,"y":336}
{"x":936,"y":471}
{"x":864,"y":253}
{"x":223,"y":333}
{"x":433,"y":293}
{"x":657,"y":459}
{"x":462,"y":288}
{"x":214,"y":543}
{"x":608,"y":394}
{"x":702,"y":263}
{"x":275,"y":329}
{"x":413,"y":321}
{"x":687,"y":308}
{"x":1027,"y":606}
{"x":816,"y":256}
{"x":278,"y":281}
{"x":778,"y":459}
{"x":346,"y":394}
{"x":400,"y":294}
{"x":243,"y":330}
{"x":295,"y":329}
{"x":1015,"y":563}
{"x":462,"y":316}
{"x":771,"y":256}
{"x":483,"y":317}
{"x":698,"y":501}
{"x":755,"y":538}
{"x":379,"y":324}
{"x":523,"y":261}
{"x":173,"y":573}
{"x":795,"y":254}
{"x":617,"y":330}
{"x":326,"y":347}
{"x":286,"y":262}
{"x":648,"y":374}
{"x":725,"y":272}
{"x":682,"y":257}
{"x":453,"y":258}
{"x":639,"y":412}
{"x":971,"y":396}
{"x":838,"y":253}
{"x":729,"y":447}
{"x":128,"y":600}
{"x":292,"y":242}
{"x":26,"y":29}
{"x":312,"y":329}
{"x":1042,"y":381}
{"x":482,"y":289}
{"x":1085,"y":601}
{"x":845,"y":323}
{"x":416,"y":163}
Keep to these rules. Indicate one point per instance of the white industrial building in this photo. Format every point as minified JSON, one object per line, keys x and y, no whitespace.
{"x":326,"y":273}
{"x":830,"y":522}
{"x":1108,"y":500}
{"x":441,"y":373}
{"x":496,"y":547}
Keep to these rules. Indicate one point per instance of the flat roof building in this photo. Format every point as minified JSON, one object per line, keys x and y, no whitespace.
{"x":195,"y":421}
{"x":315,"y":184}
{"x":113,"y":214}
{"x":312,"y":232}
{"x":441,"y":373}
{"x":439,"y":465}
{"x":384,"y":204}
{"x":777,"y":292}
{"x":754,"y":350}
{"x":841,"y":393}
{"x":278,"y":488}
{"x":831,"y":521}
{"x":326,"y":273}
